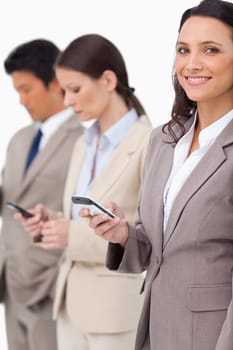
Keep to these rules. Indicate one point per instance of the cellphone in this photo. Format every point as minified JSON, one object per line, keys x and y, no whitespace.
{"x":94,"y":207}
{"x":23,"y":211}
{"x":26,"y":214}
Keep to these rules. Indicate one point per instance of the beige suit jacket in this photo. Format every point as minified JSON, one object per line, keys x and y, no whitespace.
{"x":188,"y":300}
{"x":31,"y":271}
{"x":96,"y":299}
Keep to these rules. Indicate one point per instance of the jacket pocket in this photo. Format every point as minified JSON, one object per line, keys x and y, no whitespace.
{"x":208,"y":305}
{"x":211,"y":297}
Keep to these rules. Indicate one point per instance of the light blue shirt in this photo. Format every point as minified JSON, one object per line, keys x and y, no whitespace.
{"x":108,"y":142}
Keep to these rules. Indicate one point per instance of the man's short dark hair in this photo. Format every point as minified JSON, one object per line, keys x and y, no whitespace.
{"x":36,"y":56}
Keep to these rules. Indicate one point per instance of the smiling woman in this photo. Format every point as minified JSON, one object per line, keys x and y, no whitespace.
{"x":204,"y":62}
{"x":182,"y":237}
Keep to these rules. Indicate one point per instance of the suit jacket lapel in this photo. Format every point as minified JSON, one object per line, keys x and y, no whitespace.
{"x":207,"y":166}
{"x":43,"y":157}
{"x":120,"y":159}
{"x":108,"y":177}
{"x":161,"y":165}
{"x":164,"y":164}
{"x":24,"y":147}
{"x":77,"y":160}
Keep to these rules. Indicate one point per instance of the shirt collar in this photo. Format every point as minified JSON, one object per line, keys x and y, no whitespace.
{"x":116,"y":133}
{"x":186,"y":138}
{"x":212,"y":131}
{"x":55,"y":121}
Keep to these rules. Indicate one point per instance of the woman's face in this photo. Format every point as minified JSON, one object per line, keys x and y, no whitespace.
{"x":88,"y":97}
{"x":204,"y":60}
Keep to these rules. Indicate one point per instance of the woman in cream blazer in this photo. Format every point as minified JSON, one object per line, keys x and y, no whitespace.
{"x":96,"y":309}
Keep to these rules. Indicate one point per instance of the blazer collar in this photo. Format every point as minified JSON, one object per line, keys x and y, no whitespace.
{"x":52,"y":147}
{"x":207,"y":166}
{"x":120,"y":159}
{"x":118,"y":162}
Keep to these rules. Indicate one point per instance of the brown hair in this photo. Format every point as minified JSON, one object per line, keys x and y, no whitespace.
{"x":183,"y":107}
{"x":92,"y":54}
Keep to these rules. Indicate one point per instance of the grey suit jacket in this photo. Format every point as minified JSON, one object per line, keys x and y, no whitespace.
{"x":30,"y":271}
{"x":188,"y":301}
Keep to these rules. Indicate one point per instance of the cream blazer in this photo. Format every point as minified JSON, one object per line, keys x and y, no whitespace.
{"x":96,"y":299}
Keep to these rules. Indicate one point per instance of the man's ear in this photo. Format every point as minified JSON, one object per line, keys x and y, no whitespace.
{"x":55,"y":86}
{"x":109,"y":79}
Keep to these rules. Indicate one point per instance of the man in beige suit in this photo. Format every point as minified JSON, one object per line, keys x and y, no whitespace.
{"x":28,"y":272}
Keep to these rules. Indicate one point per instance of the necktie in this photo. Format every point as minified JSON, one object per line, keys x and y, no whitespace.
{"x":34,"y":148}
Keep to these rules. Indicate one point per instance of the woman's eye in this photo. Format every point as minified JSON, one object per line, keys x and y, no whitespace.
{"x":182,"y":50}
{"x":211,"y":50}
{"x":76,"y":90}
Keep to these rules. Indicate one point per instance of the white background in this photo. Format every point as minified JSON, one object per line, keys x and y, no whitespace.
{"x":144,"y":31}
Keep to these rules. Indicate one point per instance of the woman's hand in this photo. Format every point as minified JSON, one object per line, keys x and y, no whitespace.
{"x":113,"y":230}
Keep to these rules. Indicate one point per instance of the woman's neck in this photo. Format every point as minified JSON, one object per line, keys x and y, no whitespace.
{"x":210,"y":113}
{"x":115,"y":111}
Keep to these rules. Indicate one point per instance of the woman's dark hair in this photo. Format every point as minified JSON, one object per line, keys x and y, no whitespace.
{"x":36,"y":56}
{"x":183,"y":107}
{"x":92,"y":54}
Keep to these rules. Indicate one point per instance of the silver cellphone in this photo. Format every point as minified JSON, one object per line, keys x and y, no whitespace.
{"x":94,"y":207}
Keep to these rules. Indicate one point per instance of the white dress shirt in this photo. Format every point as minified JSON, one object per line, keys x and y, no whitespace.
{"x":183,"y":164}
{"x":50,"y":126}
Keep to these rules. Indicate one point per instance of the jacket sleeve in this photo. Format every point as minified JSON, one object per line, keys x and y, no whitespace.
{"x":135,"y":257}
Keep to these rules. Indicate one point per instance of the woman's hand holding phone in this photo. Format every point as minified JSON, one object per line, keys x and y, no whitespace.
{"x":114,"y":230}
